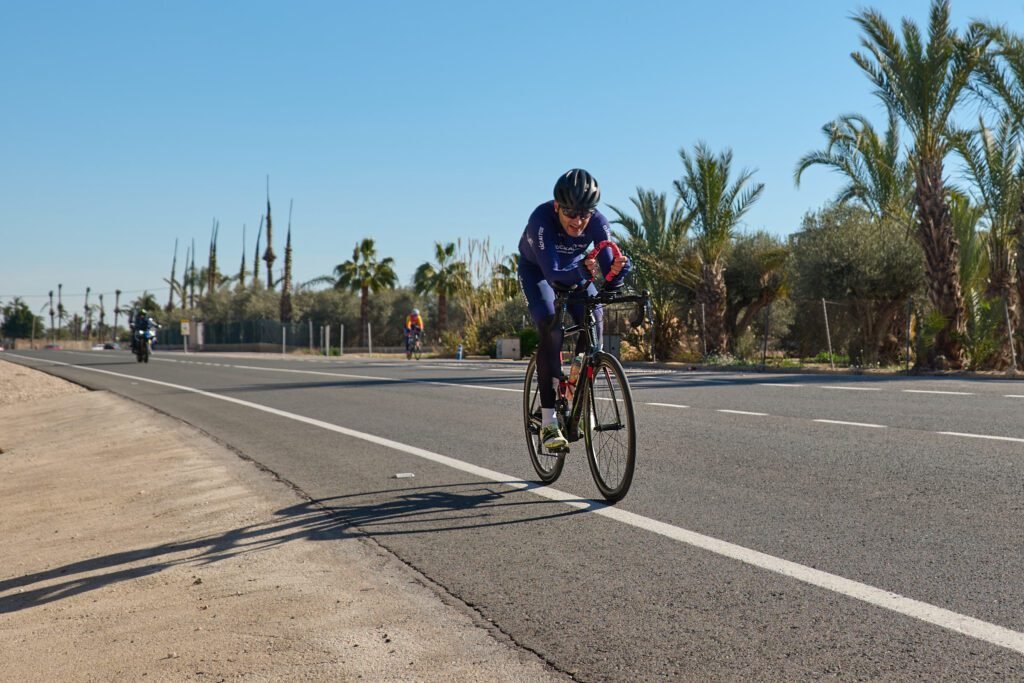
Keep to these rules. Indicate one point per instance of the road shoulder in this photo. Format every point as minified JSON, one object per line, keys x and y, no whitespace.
{"x":134,"y":546}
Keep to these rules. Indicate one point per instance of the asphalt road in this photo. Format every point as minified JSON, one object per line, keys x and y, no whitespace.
{"x":779,"y":527}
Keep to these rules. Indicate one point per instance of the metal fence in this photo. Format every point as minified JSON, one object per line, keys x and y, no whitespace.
{"x":269,"y":335}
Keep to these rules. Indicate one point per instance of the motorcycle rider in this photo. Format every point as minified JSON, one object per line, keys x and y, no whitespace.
{"x":141,"y":322}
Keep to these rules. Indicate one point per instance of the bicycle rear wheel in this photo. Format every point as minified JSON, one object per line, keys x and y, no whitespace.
{"x":419,"y":349}
{"x":609,"y":428}
{"x":548,"y":465}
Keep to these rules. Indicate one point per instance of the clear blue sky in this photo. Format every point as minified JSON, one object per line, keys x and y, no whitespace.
{"x":125,"y":125}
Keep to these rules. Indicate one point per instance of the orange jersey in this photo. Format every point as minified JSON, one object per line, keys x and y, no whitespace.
{"x":414,"y":321}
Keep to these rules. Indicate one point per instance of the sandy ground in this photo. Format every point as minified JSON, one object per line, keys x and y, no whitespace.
{"x":132,"y":548}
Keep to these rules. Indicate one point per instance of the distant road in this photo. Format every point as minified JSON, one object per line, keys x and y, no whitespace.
{"x":780,"y":527}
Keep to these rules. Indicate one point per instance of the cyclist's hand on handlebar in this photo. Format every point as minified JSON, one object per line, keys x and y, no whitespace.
{"x":618,"y":263}
{"x":592,"y":266}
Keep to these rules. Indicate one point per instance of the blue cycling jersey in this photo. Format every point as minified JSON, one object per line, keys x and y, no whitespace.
{"x":548,"y":246}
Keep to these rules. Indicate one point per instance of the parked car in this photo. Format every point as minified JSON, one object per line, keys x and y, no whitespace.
{"x":53,"y":347}
{"x":97,"y":347}
{"x":112,"y":346}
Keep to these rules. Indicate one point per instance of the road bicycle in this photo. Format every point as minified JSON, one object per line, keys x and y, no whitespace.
{"x":600,"y":410}
{"x":415,"y":346}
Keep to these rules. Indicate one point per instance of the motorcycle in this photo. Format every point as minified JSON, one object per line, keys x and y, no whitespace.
{"x":144,"y":345}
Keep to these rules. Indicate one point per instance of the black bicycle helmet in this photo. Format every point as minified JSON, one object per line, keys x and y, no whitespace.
{"x":576,"y":190}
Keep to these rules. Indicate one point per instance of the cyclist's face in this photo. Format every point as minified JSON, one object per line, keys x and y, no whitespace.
{"x":575,"y":225}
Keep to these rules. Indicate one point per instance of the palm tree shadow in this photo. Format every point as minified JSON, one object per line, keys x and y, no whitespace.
{"x":417,"y":510}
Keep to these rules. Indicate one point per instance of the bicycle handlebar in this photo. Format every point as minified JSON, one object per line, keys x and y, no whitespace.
{"x":616,"y":253}
{"x":604,"y":296}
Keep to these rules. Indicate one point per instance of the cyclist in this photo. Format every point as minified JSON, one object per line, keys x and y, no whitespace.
{"x":413,"y":325}
{"x":551,"y":254}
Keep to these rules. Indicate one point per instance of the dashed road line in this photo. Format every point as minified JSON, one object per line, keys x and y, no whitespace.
{"x":835,"y":386}
{"x":935,"y":391}
{"x":852,"y":424}
{"x":667,"y":405}
{"x":983,"y":436}
{"x":740,"y":412}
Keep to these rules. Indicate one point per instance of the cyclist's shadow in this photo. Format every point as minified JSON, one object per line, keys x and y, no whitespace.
{"x":431,"y":509}
{"x":425,"y":509}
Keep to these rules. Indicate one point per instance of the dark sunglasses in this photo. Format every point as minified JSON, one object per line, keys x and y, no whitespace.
{"x":587,"y":213}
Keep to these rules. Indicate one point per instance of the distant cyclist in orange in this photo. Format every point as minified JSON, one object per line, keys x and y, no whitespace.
{"x":413,"y":323}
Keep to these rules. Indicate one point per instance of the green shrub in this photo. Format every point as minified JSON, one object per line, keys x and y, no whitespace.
{"x":838,"y":359}
{"x":529,"y":338}
{"x":745,"y":346}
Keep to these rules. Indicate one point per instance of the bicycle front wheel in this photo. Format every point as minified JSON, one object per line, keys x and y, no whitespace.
{"x":548,"y":465}
{"x":609,"y":428}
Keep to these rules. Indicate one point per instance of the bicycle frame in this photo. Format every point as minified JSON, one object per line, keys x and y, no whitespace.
{"x":594,"y":345}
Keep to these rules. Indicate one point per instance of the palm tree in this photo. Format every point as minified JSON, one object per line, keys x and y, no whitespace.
{"x":269,"y":256}
{"x":875,"y":175}
{"x":172,"y":283}
{"x":444,"y":277}
{"x":365,"y":274}
{"x":53,"y":333}
{"x":88,"y":315}
{"x":60,"y":310}
{"x":922,"y":82}
{"x":1001,"y":74}
{"x":146,"y":302}
{"x":654,"y":242}
{"x":993,"y":160}
{"x":117,"y":310}
{"x":967,"y":218}
{"x":506,"y":276}
{"x":286,"y":277}
{"x":715,"y":204}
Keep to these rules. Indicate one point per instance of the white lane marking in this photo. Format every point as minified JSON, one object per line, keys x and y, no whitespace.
{"x":934,"y":391}
{"x":938,"y":616}
{"x":831,"y":386}
{"x":852,"y":424}
{"x":680,"y":377}
{"x":518,"y":390}
{"x":983,"y":436}
{"x":1013,"y":395}
{"x":779,"y":384}
{"x":740,"y":412}
{"x":318,"y":372}
{"x":667,"y":405}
